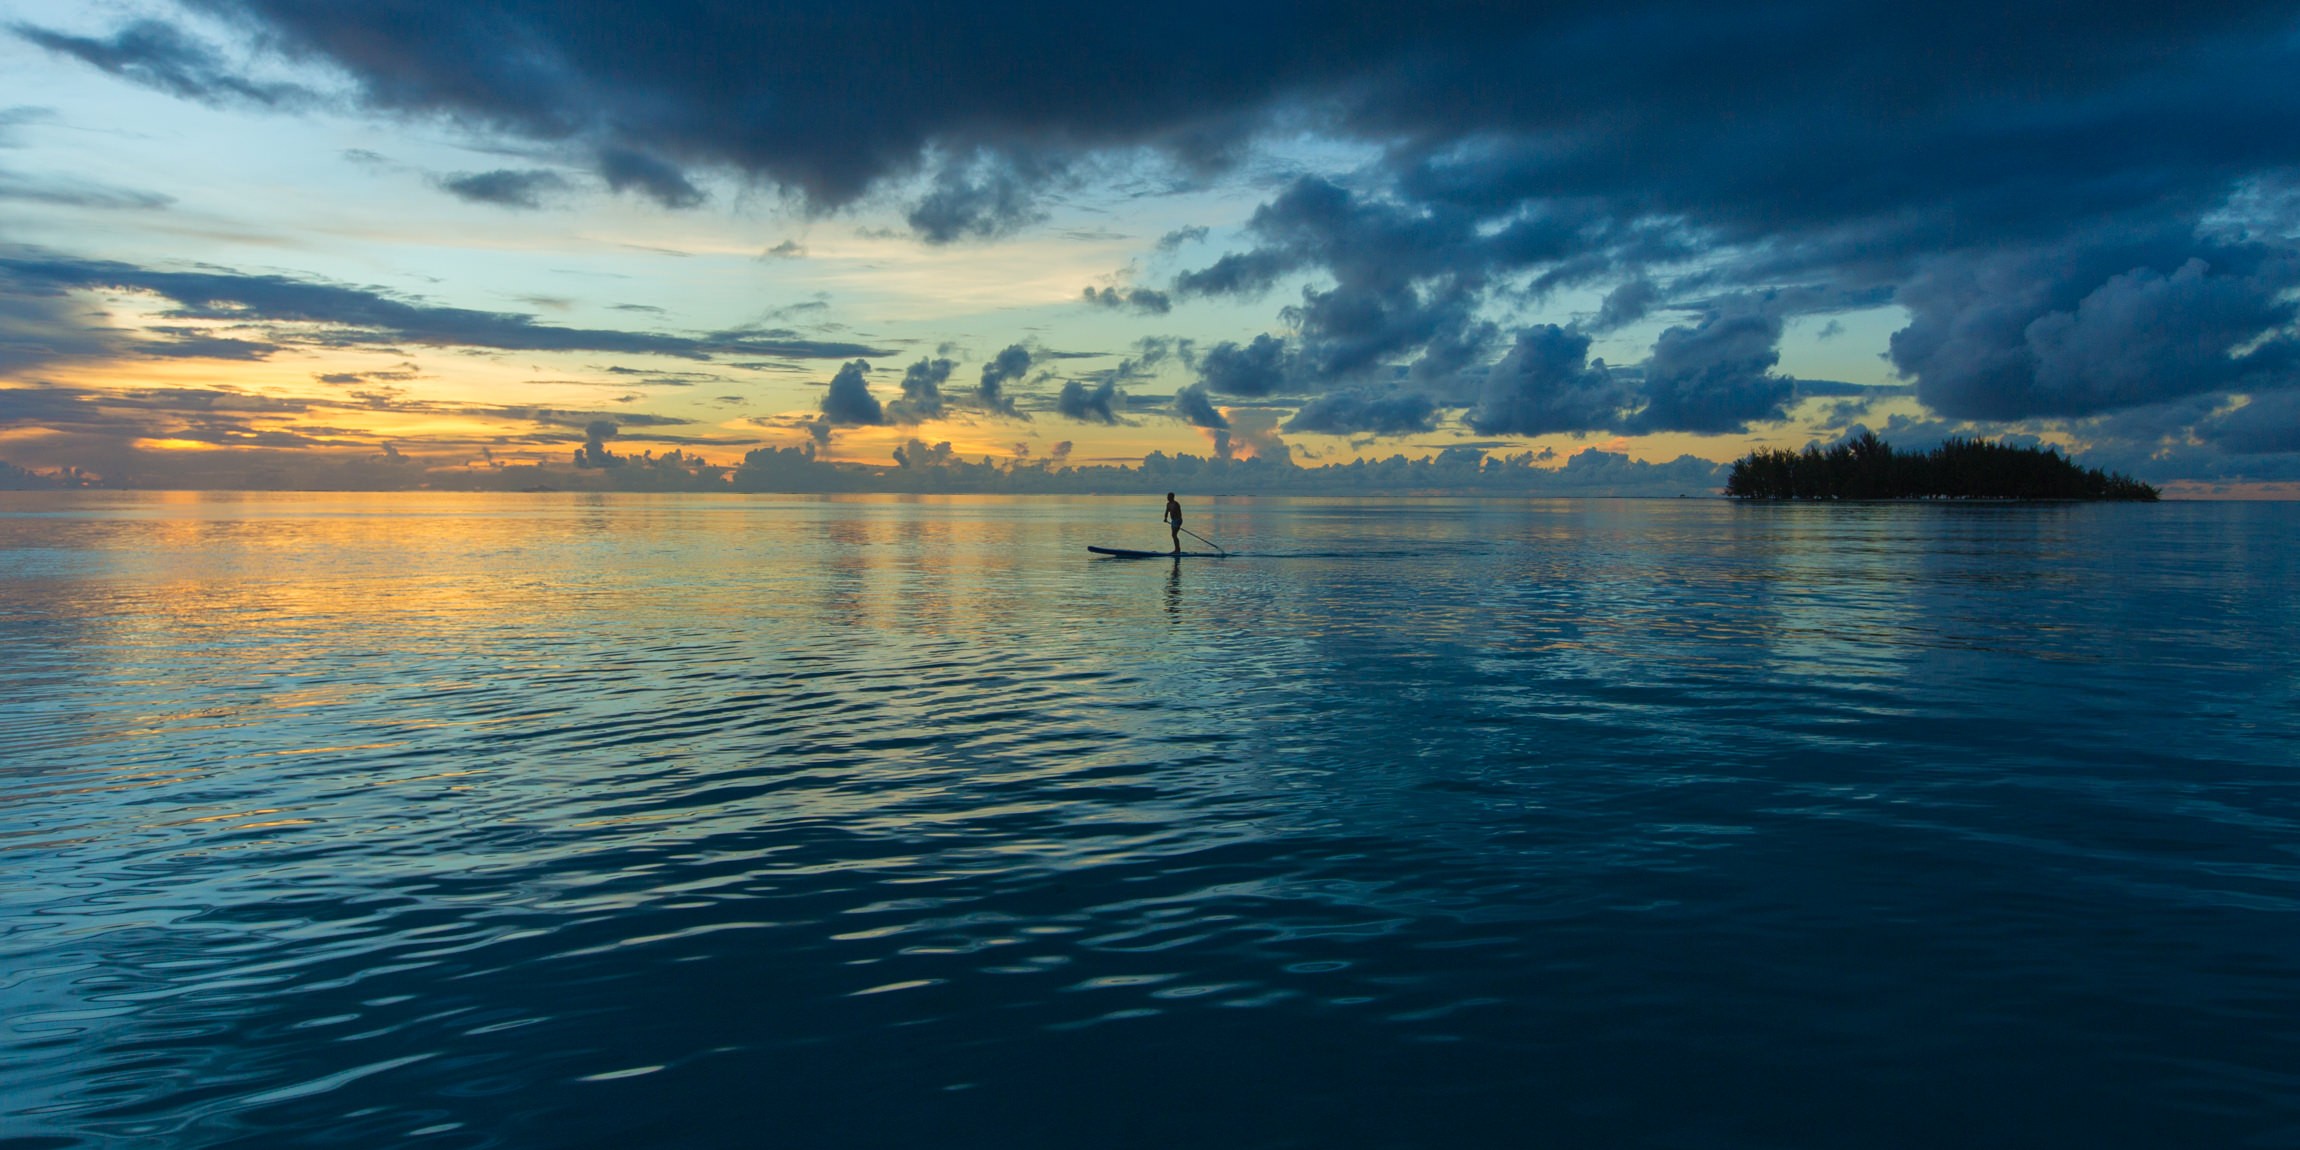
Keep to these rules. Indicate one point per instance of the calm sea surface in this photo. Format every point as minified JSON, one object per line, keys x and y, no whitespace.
{"x":566,"y":820}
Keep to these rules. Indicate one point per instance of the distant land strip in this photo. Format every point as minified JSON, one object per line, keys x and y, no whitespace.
{"x":1867,"y":467}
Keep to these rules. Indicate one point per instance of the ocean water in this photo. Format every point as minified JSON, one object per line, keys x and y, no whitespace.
{"x":568,"y":820}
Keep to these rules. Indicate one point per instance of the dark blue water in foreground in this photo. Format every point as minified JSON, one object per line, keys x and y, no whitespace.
{"x":540,"y":821}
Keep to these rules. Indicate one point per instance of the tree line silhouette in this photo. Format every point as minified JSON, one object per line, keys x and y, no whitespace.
{"x":1867,"y":467}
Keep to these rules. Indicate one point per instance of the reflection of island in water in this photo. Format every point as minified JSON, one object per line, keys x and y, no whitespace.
{"x":1867,"y":467}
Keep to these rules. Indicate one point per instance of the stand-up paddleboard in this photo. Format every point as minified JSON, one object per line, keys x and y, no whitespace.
{"x":1129,"y":553}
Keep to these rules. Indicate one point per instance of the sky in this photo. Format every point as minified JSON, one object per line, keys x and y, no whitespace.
{"x":266,"y":242}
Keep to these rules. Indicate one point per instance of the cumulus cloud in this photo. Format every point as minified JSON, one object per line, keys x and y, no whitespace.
{"x":1192,"y":406}
{"x":594,"y":452}
{"x":1546,"y":384}
{"x":1714,"y":377}
{"x":849,"y":400}
{"x":914,"y":453}
{"x":1008,"y":366}
{"x":2264,"y":425}
{"x":2076,"y":332}
{"x":921,"y":391}
{"x":985,"y":199}
{"x":1256,"y":369}
{"x":1592,"y":471}
{"x":1255,"y":432}
{"x":1089,"y":404}
{"x":1409,"y":278}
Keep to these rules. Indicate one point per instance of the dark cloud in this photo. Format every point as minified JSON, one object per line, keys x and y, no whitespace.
{"x":1819,"y":114}
{"x":2266,"y":425}
{"x":1594,"y":472}
{"x":2080,"y":330}
{"x":1260,"y":368}
{"x":1626,"y":304}
{"x":1140,"y":299}
{"x":990,"y":197}
{"x":505,"y":187}
{"x":849,"y":400}
{"x":1714,"y":377}
{"x":1152,"y":350}
{"x":915,"y":453}
{"x":1192,"y":407}
{"x":1706,"y":106}
{"x":1007,"y":367}
{"x":594,"y":452}
{"x":824,"y":100}
{"x":162,"y":56}
{"x":1173,"y":240}
{"x":921,"y":391}
{"x":1352,"y":412}
{"x":1407,"y":277}
{"x":2210,"y":439}
{"x":369,"y":316}
{"x":1181,"y":235}
{"x":1089,"y":404}
{"x":1237,"y":274}
{"x":1547,"y":384}
{"x":627,"y":169}
{"x":2030,"y":181}
{"x":40,"y":324}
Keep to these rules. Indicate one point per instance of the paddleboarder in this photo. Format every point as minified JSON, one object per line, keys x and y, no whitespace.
{"x":1173,"y":518}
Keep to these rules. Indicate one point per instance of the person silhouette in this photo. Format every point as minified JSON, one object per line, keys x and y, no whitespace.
{"x":1173,"y":518}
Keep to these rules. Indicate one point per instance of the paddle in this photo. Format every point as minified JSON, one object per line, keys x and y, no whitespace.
{"x":1201,"y":539}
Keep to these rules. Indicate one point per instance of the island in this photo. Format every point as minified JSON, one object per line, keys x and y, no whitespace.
{"x":1866,"y":467}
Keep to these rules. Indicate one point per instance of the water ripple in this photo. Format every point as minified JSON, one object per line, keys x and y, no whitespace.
{"x":564,"y":821}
